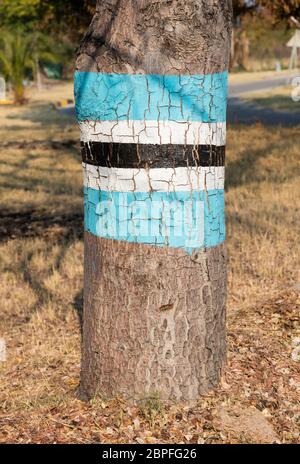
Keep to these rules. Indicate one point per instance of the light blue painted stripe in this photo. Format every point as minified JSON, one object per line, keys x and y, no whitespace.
{"x":117,"y":97}
{"x":188,"y":220}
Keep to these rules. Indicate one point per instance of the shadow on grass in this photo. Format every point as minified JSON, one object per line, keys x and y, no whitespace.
{"x":247,"y":169}
{"x":45,"y":114}
{"x":275,"y":103}
{"x":57,"y":221}
{"x":78,"y":305}
{"x":41,"y":224}
{"x":47,"y":178}
{"x":248,"y":112}
{"x":62,"y":229}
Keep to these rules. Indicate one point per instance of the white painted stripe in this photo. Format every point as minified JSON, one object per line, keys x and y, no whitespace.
{"x":154,"y":132}
{"x":148,"y":180}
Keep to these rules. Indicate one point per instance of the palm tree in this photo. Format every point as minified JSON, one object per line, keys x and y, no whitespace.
{"x":17,"y":60}
{"x":20,"y":54}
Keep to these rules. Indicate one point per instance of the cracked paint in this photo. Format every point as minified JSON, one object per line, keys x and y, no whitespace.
{"x":153,"y":149}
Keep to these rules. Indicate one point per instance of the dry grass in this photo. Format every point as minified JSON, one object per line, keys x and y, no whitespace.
{"x":41,"y":259}
{"x":263,"y":210}
{"x":30,"y":122}
{"x":277,"y":99}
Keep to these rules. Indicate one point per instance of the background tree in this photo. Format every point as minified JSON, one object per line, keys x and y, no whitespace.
{"x":283,"y":9}
{"x":16,"y":60}
{"x":34,"y":32}
{"x":20,"y":54}
{"x":49,"y":16}
{"x":239,"y":39}
{"x":260,"y":21}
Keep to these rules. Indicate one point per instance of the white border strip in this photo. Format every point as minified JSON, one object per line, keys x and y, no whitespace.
{"x":154,"y":132}
{"x":148,"y":180}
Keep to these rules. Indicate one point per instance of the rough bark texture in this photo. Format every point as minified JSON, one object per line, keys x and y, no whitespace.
{"x":149,"y":36}
{"x":154,"y":318}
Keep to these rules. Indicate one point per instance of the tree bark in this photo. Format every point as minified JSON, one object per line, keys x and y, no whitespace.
{"x":150,"y":91}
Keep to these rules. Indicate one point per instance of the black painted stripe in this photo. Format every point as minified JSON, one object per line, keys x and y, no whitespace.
{"x":130,"y":155}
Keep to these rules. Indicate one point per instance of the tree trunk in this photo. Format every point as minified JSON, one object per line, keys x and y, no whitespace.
{"x":151,"y":89}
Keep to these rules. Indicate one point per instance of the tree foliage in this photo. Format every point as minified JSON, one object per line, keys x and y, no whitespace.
{"x":16,"y":59}
{"x":20,"y":54}
{"x":261,"y":21}
{"x":66,"y":21}
{"x":283,"y":9}
{"x":22,"y":12}
{"x":55,"y":15}
{"x":68,"y":17}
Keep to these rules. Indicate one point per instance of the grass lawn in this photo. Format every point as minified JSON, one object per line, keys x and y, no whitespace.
{"x":277,"y":99}
{"x":41,"y":257}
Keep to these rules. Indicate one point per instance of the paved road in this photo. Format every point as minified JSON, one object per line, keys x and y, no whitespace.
{"x":243,"y":112}
{"x":246,"y":112}
{"x":236,"y":90}
{"x":240,"y":112}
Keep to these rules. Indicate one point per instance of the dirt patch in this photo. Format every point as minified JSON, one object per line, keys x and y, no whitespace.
{"x":249,"y":422}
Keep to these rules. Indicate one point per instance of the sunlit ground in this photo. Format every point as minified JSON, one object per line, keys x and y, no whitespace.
{"x":41,"y":256}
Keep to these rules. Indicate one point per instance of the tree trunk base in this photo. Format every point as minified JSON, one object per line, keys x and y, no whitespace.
{"x":143,"y":335}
